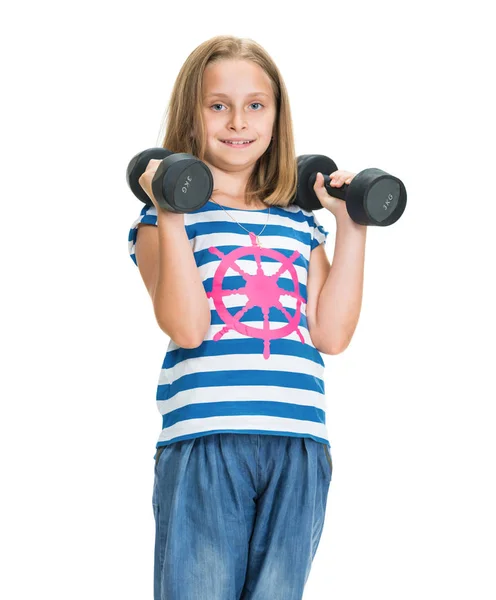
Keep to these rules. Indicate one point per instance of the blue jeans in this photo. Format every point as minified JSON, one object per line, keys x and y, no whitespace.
{"x":238,"y":516}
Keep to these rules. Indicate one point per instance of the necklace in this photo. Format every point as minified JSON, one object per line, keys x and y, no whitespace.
{"x":256,"y":236}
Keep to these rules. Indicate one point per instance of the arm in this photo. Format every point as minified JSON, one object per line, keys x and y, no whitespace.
{"x":168,"y":267}
{"x":335,"y":292}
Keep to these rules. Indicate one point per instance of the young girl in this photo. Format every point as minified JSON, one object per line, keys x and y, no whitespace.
{"x":245,"y":291}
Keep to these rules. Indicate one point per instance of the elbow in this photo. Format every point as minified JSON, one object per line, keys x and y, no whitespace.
{"x":195,"y":340}
{"x":191,"y":337}
{"x":339,"y":344}
{"x":340,"y":348}
{"x":333,"y":347}
{"x":191,"y":343}
{"x":331,"y":350}
{"x":183,"y":339}
{"x":197,"y":334}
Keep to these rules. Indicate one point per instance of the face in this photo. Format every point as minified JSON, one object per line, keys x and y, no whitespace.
{"x":238,"y":102}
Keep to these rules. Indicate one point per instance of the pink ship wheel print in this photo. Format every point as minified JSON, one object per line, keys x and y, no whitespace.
{"x":262,"y":290}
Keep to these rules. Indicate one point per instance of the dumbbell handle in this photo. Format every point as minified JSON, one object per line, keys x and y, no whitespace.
{"x":337,"y":192}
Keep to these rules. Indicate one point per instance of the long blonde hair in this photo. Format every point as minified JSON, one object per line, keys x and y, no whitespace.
{"x":274,"y":177}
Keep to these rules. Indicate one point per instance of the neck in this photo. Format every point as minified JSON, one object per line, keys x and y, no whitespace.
{"x":230,"y":182}
{"x":236,"y":201}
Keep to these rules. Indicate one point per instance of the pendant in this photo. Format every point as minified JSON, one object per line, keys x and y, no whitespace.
{"x":254,"y":238}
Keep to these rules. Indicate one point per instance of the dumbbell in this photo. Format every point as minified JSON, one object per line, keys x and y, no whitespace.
{"x":372,"y":198}
{"x":181,"y":184}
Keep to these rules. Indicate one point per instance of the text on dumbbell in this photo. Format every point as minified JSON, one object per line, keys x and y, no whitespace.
{"x":388,"y":201}
{"x":186,"y":184}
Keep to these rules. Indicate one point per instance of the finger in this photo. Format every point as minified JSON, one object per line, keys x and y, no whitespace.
{"x":339,"y":179}
{"x":153,"y":163}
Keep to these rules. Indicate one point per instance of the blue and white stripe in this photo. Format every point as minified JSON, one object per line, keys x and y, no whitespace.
{"x":228,"y":385}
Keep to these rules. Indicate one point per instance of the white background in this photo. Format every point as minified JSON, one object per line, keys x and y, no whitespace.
{"x":405,"y":87}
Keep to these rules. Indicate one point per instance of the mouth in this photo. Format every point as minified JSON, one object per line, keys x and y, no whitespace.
{"x":237,"y":144}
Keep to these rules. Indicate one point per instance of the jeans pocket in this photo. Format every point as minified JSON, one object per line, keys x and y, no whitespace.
{"x":157,"y":456}
{"x":329,"y":458}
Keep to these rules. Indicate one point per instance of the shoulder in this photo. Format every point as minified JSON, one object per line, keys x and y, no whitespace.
{"x":147,"y":216}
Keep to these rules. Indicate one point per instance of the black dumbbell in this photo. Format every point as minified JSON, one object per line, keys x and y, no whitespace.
{"x":181,"y":184}
{"x":372,"y":198}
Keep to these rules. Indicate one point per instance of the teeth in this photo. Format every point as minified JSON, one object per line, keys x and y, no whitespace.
{"x":236,"y":143}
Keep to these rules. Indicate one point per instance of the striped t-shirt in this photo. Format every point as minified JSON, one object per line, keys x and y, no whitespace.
{"x":257,"y":370}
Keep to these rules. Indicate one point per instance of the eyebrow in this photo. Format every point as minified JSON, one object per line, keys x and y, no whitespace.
{"x":221,"y":95}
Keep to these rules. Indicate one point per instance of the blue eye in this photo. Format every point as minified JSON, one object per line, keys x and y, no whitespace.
{"x":223,"y":105}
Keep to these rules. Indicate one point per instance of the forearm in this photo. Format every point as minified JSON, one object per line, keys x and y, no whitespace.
{"x":180,"y":302}
{"x":340,"y":300}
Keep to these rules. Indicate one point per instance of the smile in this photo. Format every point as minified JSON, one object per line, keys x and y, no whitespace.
{"x":238,"y":144}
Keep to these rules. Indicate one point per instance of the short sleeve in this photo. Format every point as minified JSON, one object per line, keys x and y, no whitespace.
{"x":147,"y":215}
{"x":319,"y":234}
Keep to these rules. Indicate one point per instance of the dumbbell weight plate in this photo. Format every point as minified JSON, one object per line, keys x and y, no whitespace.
{"x":137,"y":166}
{"x":308,"y":165}
{"x":182,"y":183}
{"x":375,"y":197}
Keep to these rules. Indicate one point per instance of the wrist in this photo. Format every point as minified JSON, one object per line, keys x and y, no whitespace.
{"x":344,"y":220}
{"x":168,"y":216}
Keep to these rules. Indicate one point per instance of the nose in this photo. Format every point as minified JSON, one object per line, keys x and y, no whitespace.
{"x":238,"y":120}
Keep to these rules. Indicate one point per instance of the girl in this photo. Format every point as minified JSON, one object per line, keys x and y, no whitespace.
{"x":245,"y":291}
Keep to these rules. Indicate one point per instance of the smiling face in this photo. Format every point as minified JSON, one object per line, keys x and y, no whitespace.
{"x":238,"y":103}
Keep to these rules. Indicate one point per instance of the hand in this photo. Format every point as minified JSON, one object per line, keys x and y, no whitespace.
{"x":333,"y":204}
{"x":145,"y":180}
